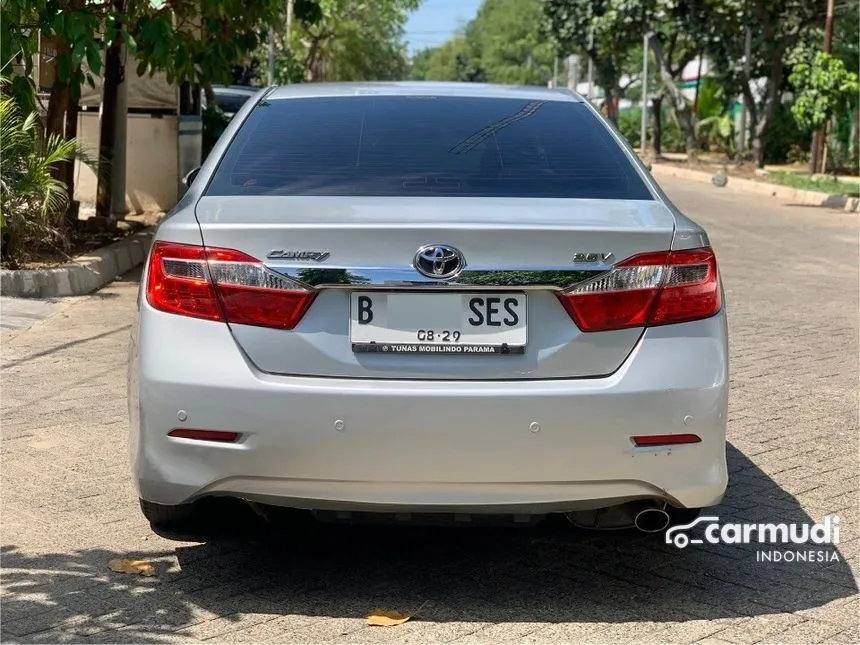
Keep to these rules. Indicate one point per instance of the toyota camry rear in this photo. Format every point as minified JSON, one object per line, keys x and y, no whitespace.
{"x":429,"y":298}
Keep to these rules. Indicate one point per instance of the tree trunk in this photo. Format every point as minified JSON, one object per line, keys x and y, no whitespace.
{"x":607,"y":78}
{"x":758,"y":142}
{"x":69,"y":166}
{"x":752,"y":112}
{"x":55,"y":125}
{"x":772,"y":97}
{"x":107,"y":128}
{"x":826,"y":131}
{"x":609,"y":94}
{"x":676,"y":98}
{"x":313,"y":61}
{"x":58,"y":103}
{"x":657,"y":111}
{"x":185,"y":97}
{"x":209,"y":93}
{"x":317,"y":71}
{"x":853,"y":147}
{"x":685,"y":119}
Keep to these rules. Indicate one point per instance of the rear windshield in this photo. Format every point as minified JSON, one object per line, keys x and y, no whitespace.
{"x":426,"y":146}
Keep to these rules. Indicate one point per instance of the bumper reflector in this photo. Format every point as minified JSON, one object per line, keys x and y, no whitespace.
{"x":204,"y":435}
{"x":665,"y":439}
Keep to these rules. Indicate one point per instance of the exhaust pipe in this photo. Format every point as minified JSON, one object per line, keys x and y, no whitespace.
{"x":651,"y":520}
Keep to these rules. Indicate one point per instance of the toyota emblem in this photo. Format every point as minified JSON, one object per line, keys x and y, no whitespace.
{"x":439,"y":261}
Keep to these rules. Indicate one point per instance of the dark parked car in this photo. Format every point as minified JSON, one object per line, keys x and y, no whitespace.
{"x":231,"y":98}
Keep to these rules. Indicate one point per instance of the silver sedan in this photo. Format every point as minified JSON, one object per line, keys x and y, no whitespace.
{"x":454,"y":299}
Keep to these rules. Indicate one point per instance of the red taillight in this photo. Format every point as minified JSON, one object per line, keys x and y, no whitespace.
{"x":219,"y":436}
{"x":647,"y":290}
{"x":665,"y":439}
{"x":223,"y":284}
{"x":178,"y":282}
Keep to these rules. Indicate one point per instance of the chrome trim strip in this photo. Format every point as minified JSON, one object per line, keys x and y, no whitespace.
{"x":390,"y":278}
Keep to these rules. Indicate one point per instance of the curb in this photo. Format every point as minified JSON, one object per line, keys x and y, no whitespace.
{"x":82,"y":276}
{"x":751,"y":187}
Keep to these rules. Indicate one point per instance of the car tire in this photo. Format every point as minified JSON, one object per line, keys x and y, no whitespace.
{"x":168,"y":516}
{"x":205,"y":520}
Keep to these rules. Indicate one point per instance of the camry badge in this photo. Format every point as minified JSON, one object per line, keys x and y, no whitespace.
{"x":281,"y":254}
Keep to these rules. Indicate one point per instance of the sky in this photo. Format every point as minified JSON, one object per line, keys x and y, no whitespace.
{"x":437,"y":20}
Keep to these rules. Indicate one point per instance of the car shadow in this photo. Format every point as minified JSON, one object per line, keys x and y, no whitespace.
{"x":547,"y":573}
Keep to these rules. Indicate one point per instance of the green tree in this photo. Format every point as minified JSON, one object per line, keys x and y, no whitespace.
{"x":349,"y":40}
{"x":713,"y":26}
{"x":824,"y":88}
{"x":420,"y":64}
{"x":200,"y":43}
{"x":656,"y":96}
{"x":508,"y":40}
{"x":676,"y":39}
{"x":601,"y":32}
{"x":842,"y":137}
{"x":846,"y":37}
{"x":73,"y":25}
{"x":611,"y":32}
{"x":456,"y":60}
{"x":193,"y":42}
{"x":504,"y":43}
{"x":776,"y":27}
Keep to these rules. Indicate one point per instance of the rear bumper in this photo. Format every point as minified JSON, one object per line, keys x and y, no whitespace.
{"x":505,"y":446}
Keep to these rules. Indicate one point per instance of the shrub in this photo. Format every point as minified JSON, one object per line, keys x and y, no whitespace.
{"x":32,"y":201}
{"x":629,"y":124}
{"x":796,"y":154}
{"x":673,"y":138}
{"x":842,"y":148}
{"x":783,"y":138}
{"x":717,"y":132}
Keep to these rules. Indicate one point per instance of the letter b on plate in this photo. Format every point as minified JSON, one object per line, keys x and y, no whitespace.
{"x":365,"y":310}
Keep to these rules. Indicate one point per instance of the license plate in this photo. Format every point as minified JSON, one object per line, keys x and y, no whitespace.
{"x":438,"y":323}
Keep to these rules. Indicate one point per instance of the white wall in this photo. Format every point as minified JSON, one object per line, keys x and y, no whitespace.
{"x":151,"y":178}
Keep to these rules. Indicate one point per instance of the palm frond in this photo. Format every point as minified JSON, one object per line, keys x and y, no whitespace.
{"x":32,"y":200}
{"x":56,"y":149}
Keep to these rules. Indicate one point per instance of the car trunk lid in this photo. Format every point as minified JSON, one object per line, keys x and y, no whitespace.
{"x":525,"y":249}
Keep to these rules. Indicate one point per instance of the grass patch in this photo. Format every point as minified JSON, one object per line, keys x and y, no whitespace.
{"x":823,"y":185}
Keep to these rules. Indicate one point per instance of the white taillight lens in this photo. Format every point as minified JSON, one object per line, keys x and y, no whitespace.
{"x":623,"y":279}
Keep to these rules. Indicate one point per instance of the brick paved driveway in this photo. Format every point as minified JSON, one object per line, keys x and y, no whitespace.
{"x":68,"y":507}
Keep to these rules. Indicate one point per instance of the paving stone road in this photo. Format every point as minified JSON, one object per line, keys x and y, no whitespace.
{"x":68,"y":506}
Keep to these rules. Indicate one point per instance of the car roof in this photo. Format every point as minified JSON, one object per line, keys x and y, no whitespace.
{"x":235,"y":89}
{"x":421,"y":88}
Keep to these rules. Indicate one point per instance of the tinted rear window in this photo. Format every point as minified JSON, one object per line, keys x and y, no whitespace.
{"x":425,"y":146}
